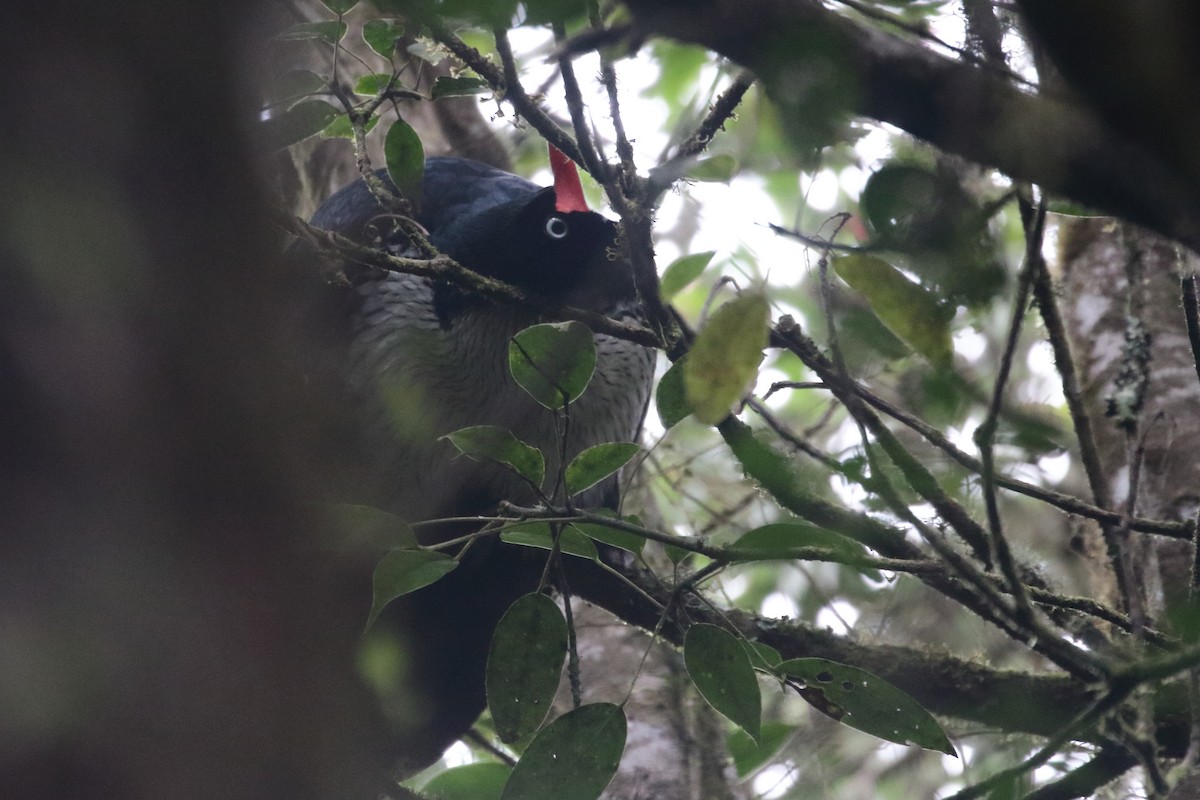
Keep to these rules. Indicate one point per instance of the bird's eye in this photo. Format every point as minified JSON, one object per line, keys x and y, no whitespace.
{"x":556,"y":228}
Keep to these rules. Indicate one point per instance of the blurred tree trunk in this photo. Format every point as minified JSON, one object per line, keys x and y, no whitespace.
{"x":164,"y":627}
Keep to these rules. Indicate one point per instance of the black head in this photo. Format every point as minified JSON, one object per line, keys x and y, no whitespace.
{"x":565,"y":257}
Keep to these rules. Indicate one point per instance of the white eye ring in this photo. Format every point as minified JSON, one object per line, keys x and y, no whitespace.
{"x":556,"y":228}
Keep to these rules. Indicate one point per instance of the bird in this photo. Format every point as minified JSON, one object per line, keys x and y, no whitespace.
{"x":425,"y":358}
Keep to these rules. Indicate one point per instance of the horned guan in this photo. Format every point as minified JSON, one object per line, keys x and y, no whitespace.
{"x":425,"y":359}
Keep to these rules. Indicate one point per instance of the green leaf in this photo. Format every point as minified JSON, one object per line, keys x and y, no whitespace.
{"x":544,"y":12}
{"x":553,"y":361}
{"x":762,"y":656}
{"x":780,"y":540}
{"x":750,"y":756}
{"x":613,"y":537}
{"x":381,"y":35}
{"x":401,"y":572}
{"x":721,"y":670}
{"x":897,"y":200}
{"x":864,"y":701}
{"x":354,"y":527}
{"x":342,"y":128}
{"x":541,"y":535}
{"x":909,"y":310}
{"x":683,"y":271}
{"x":480,"y":781}
{"x":446,"y":86}
{"x":373,"y":84}
{"x":330,"y":31}
{"x":572,"y":758}
{"x":724,"y":360}
{"x":405,"y":159}
{"x":339,"y":7}
{"x":298,"y":123}
{"x":670,"y":399}
{"x":597,"y":463}
{"x":524,"y":664}
{"x":498,"y":444}
{"x":718,"y":169}
{"x":297,"y":83}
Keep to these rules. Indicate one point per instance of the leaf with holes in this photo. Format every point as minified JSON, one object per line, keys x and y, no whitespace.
{"x":401,"y":572}
{"x":405,"y":159}
{"x":524,"y":664}
{"x":572,"y":758}
{"x":720,"y":667}
{"x":553,"y":361}
{"x":596,"y":463}
{"x":723,"y":362}
{"x":864,"y":701}
{"x":498,"y":444}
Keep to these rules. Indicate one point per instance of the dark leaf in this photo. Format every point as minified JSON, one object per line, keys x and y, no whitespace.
{"x":403,"y":571}
{"x":541,"y":535}
{"x":750,"y":756}
{"x":524,"y":664}
{"x":330,"y":31}
{"x":405,"y":158}
{"x":499,"y":445}
{"x":298,"y":123}
{"x":597,"y":463}
{"x":381,"y":35}
{"x":446,"y":86}
{"x":572,"y":758}
{"x":720,"y":667}
{"x":670,"y":399}
{"x":553,"y":361}
{"x":339,"y":7}
{"x":480,"y":781}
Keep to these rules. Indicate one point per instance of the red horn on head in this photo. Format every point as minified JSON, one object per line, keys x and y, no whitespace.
{"x":568,"y":191}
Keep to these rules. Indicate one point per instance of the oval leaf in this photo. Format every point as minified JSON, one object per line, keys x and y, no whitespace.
{"x":867,"y":702}
{"x":720,"y":667}
{"x":553,"y":361}
{"x":749,"y":756}
{"x":381,"y":35}
{"x":373,"y":84}
{"x":403,"y":571}
{"x":614,"y":537}
{"x":330,"y":31}
{"x":908,"y":309}
{"x":447,"y":86}
{"x":524,"y":664}
{"x":405,"y":158}
{"x":597,"y":463}
{"x":682,"y":272}
{"x":670,"y":399}
{"x":339,"y":7}
{"x":780,"y":541}
{"x":541,"y":536}
{"x":354,"y":527}
{"x":298,"y":123}
{"x":498,"y":444}
{"x":724,"y":360}
{"x":343,"y":128}
{"x":481,"y":781}
{"x":573,"y":758}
